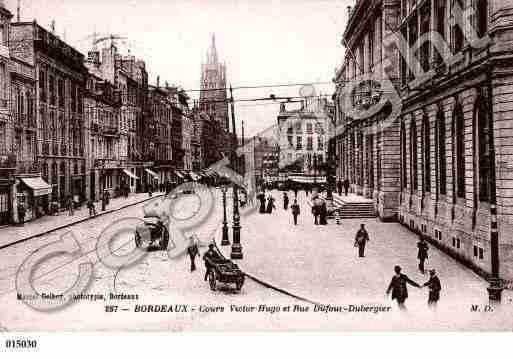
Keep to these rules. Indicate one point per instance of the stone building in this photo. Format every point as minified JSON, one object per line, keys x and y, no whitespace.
{"x":441,"y":164}
{"x":303,"y":138}
{"x":455,"y":154}
{"x":59,"y":94}
{"x":105,"y":154}
{"x":367,"y":142}
{"x":266,"y":152}
{"x":18,"y":134}
{"x":159,"y":133}
{"x":130,"y":78}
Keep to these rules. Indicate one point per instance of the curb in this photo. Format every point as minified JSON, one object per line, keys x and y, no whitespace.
{"x":269,"y":285}
{"x":76,"y":222}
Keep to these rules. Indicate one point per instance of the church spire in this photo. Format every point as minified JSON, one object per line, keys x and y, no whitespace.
{"x":212,"y":58}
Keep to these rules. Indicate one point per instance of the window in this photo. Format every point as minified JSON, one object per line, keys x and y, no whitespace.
{"x":426,"y":158}
{"x":299,"y":128}
{"x":309,"y":143}
{"x":482,"y":17}
{"x":51,"y":85}
{"x":442,"y":160}
{"x":320,"y":143}
{"x":481,"y":253}
{"x":42,"y":86}
{"x":2,"y":138}
{"x":404,"y":178}
{"x":413,"y":155}
{"x":459,"y":150}
{"x":299,"y":143}
{"x":309,"y":128}
{"x":60,"y":92}
{"x":457,"y":31}
{"x":425,"y":20}
{"x":483,"y":144}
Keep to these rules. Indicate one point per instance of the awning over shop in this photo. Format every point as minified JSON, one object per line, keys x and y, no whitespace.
{"x":195,"y":176}
{"x":130,"y":174}
{"x":38,"y":185}
{"x":151,"y":173}
{"x":308,"y":179}
{"x":179,"y":174}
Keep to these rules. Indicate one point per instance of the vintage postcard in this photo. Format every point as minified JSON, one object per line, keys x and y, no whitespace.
{"x":273,"y":165}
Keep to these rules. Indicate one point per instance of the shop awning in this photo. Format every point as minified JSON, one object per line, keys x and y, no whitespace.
{"x":38,"y":185}
{"x":179,"y":174}
{"x":308,"y":179}
{"x":195,"y":176}
{"x":151,"y":173}
{"x":130,"y":174}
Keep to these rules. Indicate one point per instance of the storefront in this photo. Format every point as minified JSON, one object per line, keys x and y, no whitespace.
{"x":152,"y":178}
{"x":33,"y":193}
{"x":132,"y":178}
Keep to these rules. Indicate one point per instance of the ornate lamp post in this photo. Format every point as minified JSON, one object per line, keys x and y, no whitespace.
{"x":236,"y":246}
{"x":225,"y":241}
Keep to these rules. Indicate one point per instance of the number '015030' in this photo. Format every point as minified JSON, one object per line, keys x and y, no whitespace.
{"x":20,"y":344}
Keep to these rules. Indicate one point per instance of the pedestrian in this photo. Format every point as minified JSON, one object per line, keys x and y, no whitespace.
{"x":104,"y":200}
{"x":434,"y":288}
{"x":285,"y":201}
{"x":210,"y":256}
{"x":21,"y":214}
{"x":323,"y":214}
{"x":295,"y":192}
{"x":270,"y":204}
{"x":361,"y":239}
{"x":315,"y":213}
{"x":296,"y":211}
{"x":346,"y":186}
{"x":70,"y":205}
{"x":92,"y":208}
{"x":398,"y":287}
{"x":193,"y":251}
{"x":261,"y":198}
{"x":423,"y":252}
{"x":150,"y":191}
{"x":107,"y":197}
{"x":339,"y":187}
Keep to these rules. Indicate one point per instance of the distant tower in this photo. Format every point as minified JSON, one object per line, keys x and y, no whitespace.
{"x":213,"y":98}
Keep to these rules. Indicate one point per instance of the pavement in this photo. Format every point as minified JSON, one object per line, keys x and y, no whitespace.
{"x":15,"y":233}
{"x":320,"y":263}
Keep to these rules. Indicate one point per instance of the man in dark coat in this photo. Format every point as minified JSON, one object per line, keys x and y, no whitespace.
{"x":193,"y":251}
{"x":270,"y":204}
{"x":339,"y":187}
{"x":360,"y":240}
{"x":323,"y":215}
{"x":261,"y":198}
{"x":398,"y":287}
{"x":423,"y":253}
{"x":21,"y":214}
{"x":285,"y":201}
{"x":346,"y":186}
{"x":295,"y":191}
{"x":295,"y":211}
{"x":434,"y":288}
{"x":210,"y":256}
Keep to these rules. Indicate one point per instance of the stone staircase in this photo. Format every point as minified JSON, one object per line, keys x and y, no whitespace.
{"x":353,"y":206}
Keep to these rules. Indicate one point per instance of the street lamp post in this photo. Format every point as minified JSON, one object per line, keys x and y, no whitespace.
{"x":225,"y":241}
{"x":236,"y":246}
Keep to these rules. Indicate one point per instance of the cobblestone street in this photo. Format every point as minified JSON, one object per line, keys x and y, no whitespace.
{"x":316,"y":262}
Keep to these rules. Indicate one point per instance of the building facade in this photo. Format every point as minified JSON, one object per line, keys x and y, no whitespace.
{"x":440,"y":165}
{"x":266,"y":165}
{"x":60,"y":75}
{"x":303,"y":138}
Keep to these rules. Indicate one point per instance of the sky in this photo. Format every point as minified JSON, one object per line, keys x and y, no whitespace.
{"x":263,"y":42}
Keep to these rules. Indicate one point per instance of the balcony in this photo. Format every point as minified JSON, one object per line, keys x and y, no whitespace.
{"x":110,"y":131}
{"x":46,"y":149}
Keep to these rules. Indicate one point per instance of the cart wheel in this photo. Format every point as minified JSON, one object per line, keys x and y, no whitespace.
{"x":137,"y":239}
{"x":239,"y":284}
{"x":212,"y":280}
{"x":165,"y":240}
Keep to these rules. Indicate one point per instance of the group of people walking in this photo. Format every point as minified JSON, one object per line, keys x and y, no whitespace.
{"x":266,"y":208}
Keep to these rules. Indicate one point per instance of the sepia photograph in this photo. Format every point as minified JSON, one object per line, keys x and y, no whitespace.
{"x":255,"y":166}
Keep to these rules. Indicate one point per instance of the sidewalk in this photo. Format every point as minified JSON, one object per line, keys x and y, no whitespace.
{"x":14,"y":233}
{"x":321,"y":264}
